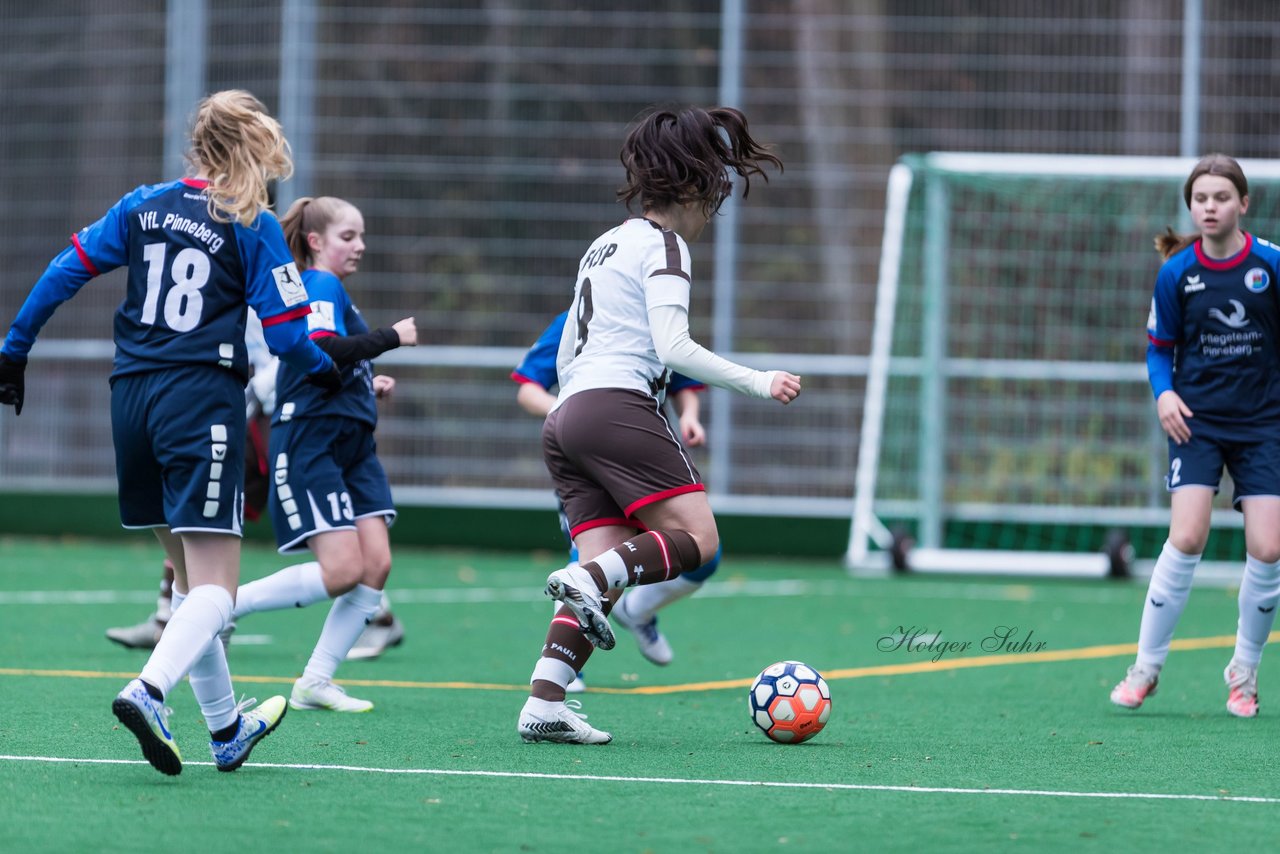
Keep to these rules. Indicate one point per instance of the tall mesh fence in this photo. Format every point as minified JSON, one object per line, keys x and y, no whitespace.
{"x":480,"y":141}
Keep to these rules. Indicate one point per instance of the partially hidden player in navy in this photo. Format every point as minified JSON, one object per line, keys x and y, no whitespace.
{"x":1213,"y":359}
{"x":198,"y":251}
{"x":329,"y":492}
{"x":637,"y":610}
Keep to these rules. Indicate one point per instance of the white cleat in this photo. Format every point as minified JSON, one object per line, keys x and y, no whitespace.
{"x":653,"y":644}
{"x":1138,"y":684}
{"x":312,"y":694}
{"x":144,"y":635}
{"x":543,"y":720}
{"x":575,"y":587}
{"x":1242,"y":685}
{"x":383,"y":632}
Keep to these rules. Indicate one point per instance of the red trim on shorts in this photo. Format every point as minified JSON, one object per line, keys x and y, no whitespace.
{"x":599,"y":523}
{"x":84,"y":256}
{"x":663,"y":496}
{"x":285,"y":317}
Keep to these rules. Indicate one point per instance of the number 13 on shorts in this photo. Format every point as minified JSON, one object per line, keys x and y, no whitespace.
{"x":340,"y":507}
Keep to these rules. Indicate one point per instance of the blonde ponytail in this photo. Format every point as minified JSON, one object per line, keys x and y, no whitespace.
{"x":241,"y":148}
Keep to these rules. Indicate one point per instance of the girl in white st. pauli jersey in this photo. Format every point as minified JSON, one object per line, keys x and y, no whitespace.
{"x":633,"y":497}
{"x":1214,"y":365}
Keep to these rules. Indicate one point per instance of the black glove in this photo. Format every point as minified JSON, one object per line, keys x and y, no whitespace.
{"x":12,"y":387}
{"x":330,"y":380}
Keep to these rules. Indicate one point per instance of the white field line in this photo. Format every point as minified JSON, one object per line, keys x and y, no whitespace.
{"x":852,"y":588}
{"x":765,"y":784}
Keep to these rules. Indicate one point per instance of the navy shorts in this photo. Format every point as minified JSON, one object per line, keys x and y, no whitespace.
{"x":1254,"y":466}
{"x":179,"y":435}
{"x":325,"y":475}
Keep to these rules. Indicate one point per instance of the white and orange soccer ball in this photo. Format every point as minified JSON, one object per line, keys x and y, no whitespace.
{"x":790,"y":702}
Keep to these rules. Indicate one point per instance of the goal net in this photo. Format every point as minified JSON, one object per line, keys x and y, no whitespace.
{"x":1008,"y":423}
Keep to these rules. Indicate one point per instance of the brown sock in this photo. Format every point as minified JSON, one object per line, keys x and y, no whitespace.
{"x":646,"y":558}
{"x":565,"y":642}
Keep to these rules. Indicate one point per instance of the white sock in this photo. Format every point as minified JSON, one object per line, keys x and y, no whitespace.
{"x":553,"y":670}
{"x":350,"y":613}
{"x":204,"y":613}
{"x":292,"y":587}
{"x":1170,"y":587}
{"x":1259,"y":593}
{"x":210,"y":679}
{"x":614,"y":569}
{"x":641,"y":603}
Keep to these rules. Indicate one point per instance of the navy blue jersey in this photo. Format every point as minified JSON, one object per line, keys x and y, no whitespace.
{"x":190,"y":278}
{"x":539,"y":364}
{"x":332,"y":313}
{"x":1220,"y":320}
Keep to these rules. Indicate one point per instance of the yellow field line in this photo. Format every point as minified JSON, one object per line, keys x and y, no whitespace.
{"x":1079,"y":654}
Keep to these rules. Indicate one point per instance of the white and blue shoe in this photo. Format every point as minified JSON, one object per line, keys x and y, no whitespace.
{"x":653,"y":644}
{"x":254,"y":726}
{"x":148,"y":719}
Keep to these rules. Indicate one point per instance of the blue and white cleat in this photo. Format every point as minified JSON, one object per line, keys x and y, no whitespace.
{"x":148,"y":720}
{"x":254,"y":726}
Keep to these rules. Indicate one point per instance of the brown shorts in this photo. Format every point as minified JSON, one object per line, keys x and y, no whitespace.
{"x":611,"y":451}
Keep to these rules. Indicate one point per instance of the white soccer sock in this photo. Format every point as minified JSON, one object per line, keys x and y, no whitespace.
{"x":1166,"y":597}
{"x":204,"y":613}
{"x":1259,"y":593}
{"x":614,"y":569}
{"x":553,"y":670}
{"x":641,"y":603}
{"x":350,"y":613}
{"x":292,"y":587}
{"x":210,"y":679}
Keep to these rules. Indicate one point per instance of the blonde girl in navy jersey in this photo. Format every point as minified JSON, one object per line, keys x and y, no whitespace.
{"x":329,"y":493}
{"x":1213,"y":359}
{"x":618,"y":468}
{"x":198,"y":251}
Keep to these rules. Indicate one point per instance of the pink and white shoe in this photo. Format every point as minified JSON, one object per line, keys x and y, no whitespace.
{"x":1243,"y":682}
{"x":1137,"y":685}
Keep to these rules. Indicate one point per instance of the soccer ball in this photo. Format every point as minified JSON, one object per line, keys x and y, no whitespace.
{"x":790,"y":702}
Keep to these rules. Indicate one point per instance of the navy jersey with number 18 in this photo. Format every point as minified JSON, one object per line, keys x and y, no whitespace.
{"x":190,"y":278}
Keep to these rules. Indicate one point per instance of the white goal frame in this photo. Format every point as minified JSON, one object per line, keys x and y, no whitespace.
{"x":866,"y":527}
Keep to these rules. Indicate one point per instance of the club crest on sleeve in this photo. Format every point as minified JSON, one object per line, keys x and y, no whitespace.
{"x":289,"y":284}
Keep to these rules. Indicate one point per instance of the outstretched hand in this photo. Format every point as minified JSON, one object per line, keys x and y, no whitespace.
{"x":12,"y":383}
{"x":407,"y":329}
{"x":785,"y":387}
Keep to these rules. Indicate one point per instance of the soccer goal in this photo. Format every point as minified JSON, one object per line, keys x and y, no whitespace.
{"x":1008,"y":425}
